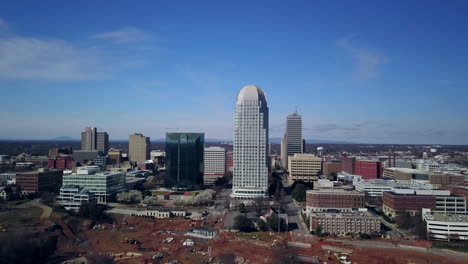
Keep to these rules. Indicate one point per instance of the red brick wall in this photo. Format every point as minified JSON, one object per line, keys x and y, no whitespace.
{"x":408,"y":202}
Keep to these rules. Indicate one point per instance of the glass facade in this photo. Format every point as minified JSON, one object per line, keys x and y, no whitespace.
{"x":184,"y":160}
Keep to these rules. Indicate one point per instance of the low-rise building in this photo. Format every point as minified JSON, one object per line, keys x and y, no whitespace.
{"x":73,"y":197}
{"x":164,"y":213}
{"x":445,"y":227}
{"x":105,"y":185}
{"x":330,"y":167}
{"x":404,"y":174}
{"x":441,"y":179}
{"x":341,"y":223}
{"x":304,"y":167}
{"x":42,"y":180}
{"x":340,"y":199}
{"x":376,"y":187}
{"x":402,"y":200}
{"x":203,"y":232}
{"x":115,"y":155}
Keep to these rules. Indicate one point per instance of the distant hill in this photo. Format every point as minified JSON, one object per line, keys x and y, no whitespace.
{"x":314,"y":141}
{"x":64,"y":138}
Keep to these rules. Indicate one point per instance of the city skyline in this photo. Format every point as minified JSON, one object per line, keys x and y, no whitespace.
{"x":370,"y":73}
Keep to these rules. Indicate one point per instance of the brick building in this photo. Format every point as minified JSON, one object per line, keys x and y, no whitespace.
{"x":394,"y":203}
{"x":62,"y":162}
{"x":331,"y":166}
{"x":368,"y":169}
{"x":42,"y":180}
{"x":457,"y":190}
{"x":441,"y":179}
{"x":339,"y":199}
{"x":342,"y":223}
{"x":348,"y":164}
{"x":229,"y":161}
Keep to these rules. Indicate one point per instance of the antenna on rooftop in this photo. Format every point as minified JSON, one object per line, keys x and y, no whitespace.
{"x":296,"y":109}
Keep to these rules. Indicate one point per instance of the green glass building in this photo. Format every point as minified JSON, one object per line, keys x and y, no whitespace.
{"x":184,"y":160}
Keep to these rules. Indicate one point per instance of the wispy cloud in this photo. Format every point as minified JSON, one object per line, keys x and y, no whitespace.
{"x":55,"y":59}
{"x":45,"y":59}
{"x":367,"y":61}
{"x":125,"y":35}
{"x":3,"y":25}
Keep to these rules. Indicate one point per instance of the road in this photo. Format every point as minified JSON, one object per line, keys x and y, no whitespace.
{"x":391,"y":226}
{"x":294,"y":215}
{"x":386,"y":245}
{"x":46,"y":210}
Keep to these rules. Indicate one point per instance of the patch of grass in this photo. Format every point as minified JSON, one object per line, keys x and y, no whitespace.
{"x":457,"y":246}
{"x":19,"y":217}
{"x":254,"y":235}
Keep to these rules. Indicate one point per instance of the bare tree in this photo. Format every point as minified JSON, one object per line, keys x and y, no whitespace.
{"x":259,"y":204}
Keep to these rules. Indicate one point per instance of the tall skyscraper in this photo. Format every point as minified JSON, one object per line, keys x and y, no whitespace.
{"x":93,"y":140}
{"x":250,"y":173}
{"x":138,"y":148}
{"x":293,"y":135}
{"x":184,"y":160}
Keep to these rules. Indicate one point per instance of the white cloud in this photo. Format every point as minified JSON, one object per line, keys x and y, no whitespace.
{"x":125,"y":35}
{"x":367,"y":61}
{"x":46,"y":59}
{"x":3,"y":25}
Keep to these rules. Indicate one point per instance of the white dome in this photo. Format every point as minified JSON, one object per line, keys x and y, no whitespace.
{"x":251,"y":93}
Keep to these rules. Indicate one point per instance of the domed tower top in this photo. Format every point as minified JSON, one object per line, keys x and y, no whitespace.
{"x":251,"y":93}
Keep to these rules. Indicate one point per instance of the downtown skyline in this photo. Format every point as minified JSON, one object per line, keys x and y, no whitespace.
{"x":385,"y":73}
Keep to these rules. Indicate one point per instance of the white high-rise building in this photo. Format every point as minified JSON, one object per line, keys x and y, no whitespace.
{"x":214,"y":160}
{"x":293,"y":137}
{"x":250,"y":173}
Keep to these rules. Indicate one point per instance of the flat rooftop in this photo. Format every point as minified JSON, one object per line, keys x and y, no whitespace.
{"x":344,"y":214}
{"x":408,"y":170}
{"x":447,"y":218}
{"x":335,"y":191}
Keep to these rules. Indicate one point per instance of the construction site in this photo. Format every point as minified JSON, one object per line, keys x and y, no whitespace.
{"x":132,"y":239}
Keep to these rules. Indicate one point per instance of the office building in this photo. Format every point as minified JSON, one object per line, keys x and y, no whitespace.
{"x":402,"y":200}
{"x":445,"y":227}
{"x":184,"y":160}
{"x":342,"y":200}
{"x":304,"y":167}
{"x":250,"y":175}
{"x":42,"y":180}
{"x":214,"y":159}
{"x":341,"y":223}
{"x":101,"y":161}
{"x":368,"y":169}
{"x":61,"y":162}
{"x":284,"y":153}
{"x":404,"y":174}
{"x":73,"y":197}
{"x":376,"y":187}
{"x":457,"y":190}
{"x":53,"y":153}
{"x":115,"y":156}
{"x":139,"y":148}
{"x":293,"y":135}
{"x":441,"y":179}
{"x":348,"y":164}
{"x":330,"y":167}
{"x":85,"y":156}
{"x":229,"y":161}
{"x":93,"y":140}
{"x":104,"y":185}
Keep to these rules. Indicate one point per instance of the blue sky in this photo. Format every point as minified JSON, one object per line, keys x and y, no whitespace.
{"x":361,"y":71}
